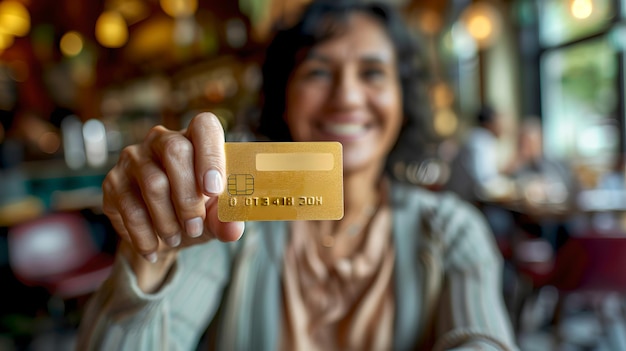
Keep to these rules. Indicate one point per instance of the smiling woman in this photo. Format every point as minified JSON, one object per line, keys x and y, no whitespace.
{"x":347,"y":89}
{"x":404,"y":268}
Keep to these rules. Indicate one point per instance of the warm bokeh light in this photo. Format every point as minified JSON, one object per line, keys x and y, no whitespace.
{"x":111,"y":30}
{"x":445,"y":122}
{"x":482,"y":23}
{"x":480,"y":27}
{"x":14,"y":18}
{"x":581,"y":9}
{"x":179,"y":8}
{"x":442,"y":95}
{"x":71,"y":43}
{"x":133,"y":11}
{"x":152,"y":37}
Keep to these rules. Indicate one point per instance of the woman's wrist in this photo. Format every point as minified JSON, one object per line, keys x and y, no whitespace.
{"x":150,"y":276}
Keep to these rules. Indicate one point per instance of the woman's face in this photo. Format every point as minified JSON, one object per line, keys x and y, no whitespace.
{"x":347,"y":89}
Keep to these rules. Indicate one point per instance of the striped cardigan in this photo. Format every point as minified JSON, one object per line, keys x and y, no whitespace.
{"x":447,"y":288}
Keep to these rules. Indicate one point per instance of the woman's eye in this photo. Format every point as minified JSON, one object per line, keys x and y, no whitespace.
{"x":317,"y":73}
{"x":373,"y":73}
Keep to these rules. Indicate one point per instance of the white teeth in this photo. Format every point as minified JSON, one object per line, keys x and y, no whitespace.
{"x":344,"y":128}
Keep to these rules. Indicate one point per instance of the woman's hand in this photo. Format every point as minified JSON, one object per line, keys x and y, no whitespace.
{"x":162,"y":194}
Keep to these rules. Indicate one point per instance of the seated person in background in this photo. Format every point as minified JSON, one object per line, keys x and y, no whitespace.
{"x":540,"y":180}
{"x":406,"y":269}
{"x":474,"y":173}
{"x":546,"y":188}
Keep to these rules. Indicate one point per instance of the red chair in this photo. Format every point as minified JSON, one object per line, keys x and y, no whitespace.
{"x":592,"y":263}
{"x":593,"y":267}
{"x":57,"y":252}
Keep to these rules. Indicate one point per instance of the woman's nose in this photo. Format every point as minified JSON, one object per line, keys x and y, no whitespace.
{"x":348,"y":91}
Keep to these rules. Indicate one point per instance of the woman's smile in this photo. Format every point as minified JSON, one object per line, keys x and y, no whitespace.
{"x":347,"y":89}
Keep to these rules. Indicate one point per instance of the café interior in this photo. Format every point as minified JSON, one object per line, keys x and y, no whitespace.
{"x":80,"y":80}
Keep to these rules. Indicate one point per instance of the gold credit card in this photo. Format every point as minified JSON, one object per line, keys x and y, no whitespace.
{"x":269,"y":181}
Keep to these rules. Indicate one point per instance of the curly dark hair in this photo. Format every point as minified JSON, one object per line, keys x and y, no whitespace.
{"x":320,"y":21}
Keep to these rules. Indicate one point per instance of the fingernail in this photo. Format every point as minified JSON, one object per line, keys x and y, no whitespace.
{"x":194,"y":227}
{"x":243,"y":228}
{"x":213,"y":182}
{"x":174,"y":240}
{"x":151,"y":257}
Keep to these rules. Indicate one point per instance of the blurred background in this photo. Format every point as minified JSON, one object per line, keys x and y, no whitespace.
{"x":79,"y":80}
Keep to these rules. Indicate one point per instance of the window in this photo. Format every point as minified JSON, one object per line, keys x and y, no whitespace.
{"x":579,"y":96}
{"x":566,"y":20}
